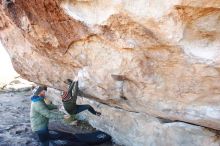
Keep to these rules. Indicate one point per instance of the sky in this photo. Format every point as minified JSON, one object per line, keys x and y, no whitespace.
{"x":7,"y":72}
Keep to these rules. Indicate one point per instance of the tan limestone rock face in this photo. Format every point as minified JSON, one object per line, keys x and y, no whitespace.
{"x":153,"y":57}
{"x":139,"y":129}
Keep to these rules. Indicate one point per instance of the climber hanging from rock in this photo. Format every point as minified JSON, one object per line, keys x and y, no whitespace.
{"x":69,"y":98}
{"x":41,"y":113}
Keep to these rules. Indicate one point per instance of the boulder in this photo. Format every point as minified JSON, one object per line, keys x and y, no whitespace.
{"x":158,"y":58}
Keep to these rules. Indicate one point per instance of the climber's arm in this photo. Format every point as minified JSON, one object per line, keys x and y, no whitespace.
{"x":71,"y":88}
{"x":75,"y":89}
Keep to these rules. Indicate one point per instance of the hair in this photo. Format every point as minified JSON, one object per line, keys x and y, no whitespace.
{"x":44,"y":87}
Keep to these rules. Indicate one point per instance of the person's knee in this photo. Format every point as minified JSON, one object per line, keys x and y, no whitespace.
{"x":88,"y":106}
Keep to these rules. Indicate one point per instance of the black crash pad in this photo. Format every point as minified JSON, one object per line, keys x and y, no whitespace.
{"x":85,"y":139}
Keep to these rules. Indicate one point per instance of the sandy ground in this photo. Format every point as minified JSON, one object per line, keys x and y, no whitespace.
{"x":15,"y":124}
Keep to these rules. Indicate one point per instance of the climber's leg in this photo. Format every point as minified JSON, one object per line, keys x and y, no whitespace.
{"x":80,"y":108}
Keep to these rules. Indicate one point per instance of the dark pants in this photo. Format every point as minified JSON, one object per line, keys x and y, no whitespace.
{"x":80,"y":108}
{"x":43,"y":136}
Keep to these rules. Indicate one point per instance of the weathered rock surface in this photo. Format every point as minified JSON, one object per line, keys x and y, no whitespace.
{"x":139,"y":129}
{"x":166,"y":52}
